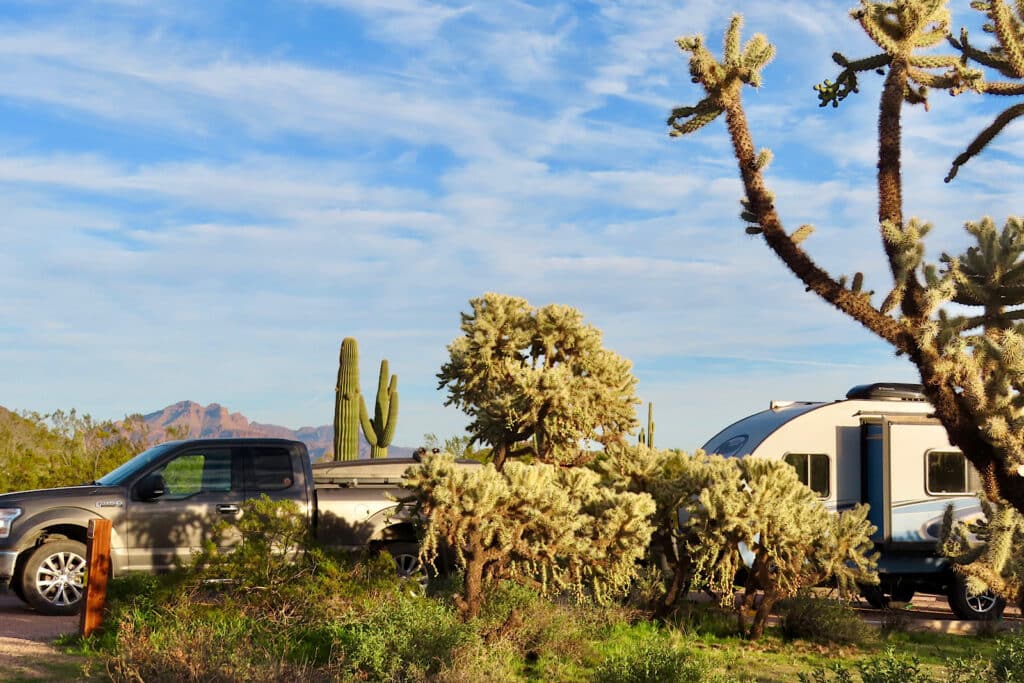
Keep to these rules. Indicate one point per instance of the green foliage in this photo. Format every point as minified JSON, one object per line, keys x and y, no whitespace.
{"x":381,"y":429}
{"x":821,"y":620}
{"x":1008,"y":660}
{"x":347,"y":401}
{"x":276,"y":547}
{"x":63,"y":448}
{"x":537,"y":382}
{"x":650,"y":657}
{"x":405,"y":639}
{"x":553,"y":528}
{"x":461,"y":446}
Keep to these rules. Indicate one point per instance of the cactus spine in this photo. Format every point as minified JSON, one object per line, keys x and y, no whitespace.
{"x":381,"y":429}
{"x":346,"y":402}
{"x":647,"y":438}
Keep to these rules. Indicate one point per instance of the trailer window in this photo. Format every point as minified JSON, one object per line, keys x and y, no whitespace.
{"x":949,"y":472}
{"x":812,"y":469}
{"x":731,"y":447}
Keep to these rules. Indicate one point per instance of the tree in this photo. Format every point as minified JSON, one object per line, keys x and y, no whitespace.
{"x":536,"y":381}
{"x":553,"y":528}
{"x":63,"y":448}
{"x":971,"y":366}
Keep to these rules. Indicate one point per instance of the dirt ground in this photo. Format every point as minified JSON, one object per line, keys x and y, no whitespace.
{"x":26,"y":653}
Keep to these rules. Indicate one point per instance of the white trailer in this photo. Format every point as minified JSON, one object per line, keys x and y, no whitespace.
{"x":881,"y":446}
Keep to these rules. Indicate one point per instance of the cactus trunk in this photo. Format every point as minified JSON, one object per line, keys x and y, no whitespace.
{"x":346,"y":402}
{"x":381,"y":429}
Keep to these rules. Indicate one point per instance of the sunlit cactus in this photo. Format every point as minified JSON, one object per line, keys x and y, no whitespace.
{"x":381,"y":429}
{"x":346,"y":402}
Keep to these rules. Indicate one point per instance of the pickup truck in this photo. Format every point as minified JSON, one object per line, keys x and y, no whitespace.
{"x":164,"y":502}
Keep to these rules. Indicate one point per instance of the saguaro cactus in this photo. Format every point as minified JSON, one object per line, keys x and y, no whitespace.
{"x":346,"y":402}
{"x":647,"y":438}
{"x":381,"y":429}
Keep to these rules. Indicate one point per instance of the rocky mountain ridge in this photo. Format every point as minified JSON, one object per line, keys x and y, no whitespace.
{"x":188,"y":419}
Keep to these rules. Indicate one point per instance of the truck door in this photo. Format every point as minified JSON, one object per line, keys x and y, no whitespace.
{"x":203,"y":485}
{"x":272,"y":471}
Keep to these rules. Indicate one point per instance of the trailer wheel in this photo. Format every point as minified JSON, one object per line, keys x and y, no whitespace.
{"x":53,"y":579}
{"x":973,"y":606}
{"x":874,"y":596}
{"x":903,"y":592}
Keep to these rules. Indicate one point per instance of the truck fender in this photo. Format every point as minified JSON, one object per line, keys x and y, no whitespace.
{"x":393,"y":523}
{"x":62,"y":520}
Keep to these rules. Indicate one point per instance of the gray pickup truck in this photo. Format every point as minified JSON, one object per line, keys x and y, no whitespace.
{"x":164,"y":502}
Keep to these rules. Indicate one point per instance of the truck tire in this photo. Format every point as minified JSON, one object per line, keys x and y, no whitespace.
{"x":53,"y":579}
{"x":407,"y":562}
{"x":973,"y":606}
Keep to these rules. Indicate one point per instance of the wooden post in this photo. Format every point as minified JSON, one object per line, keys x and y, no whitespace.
{"x":97,"y":572}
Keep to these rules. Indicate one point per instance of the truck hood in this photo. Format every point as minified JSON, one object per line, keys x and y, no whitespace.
{"x":67,"y":495}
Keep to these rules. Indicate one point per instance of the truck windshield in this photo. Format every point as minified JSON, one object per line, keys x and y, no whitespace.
{"x":135,"y":465}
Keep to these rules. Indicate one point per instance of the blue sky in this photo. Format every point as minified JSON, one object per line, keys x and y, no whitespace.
{"x":200,"y":200}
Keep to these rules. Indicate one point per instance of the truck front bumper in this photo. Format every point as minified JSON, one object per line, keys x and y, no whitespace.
{"x":8,"y":558}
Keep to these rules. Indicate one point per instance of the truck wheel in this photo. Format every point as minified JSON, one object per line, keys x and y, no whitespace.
{"x":407,"y":562}
{"x":53,"y":580}
{"x":973,"y":606}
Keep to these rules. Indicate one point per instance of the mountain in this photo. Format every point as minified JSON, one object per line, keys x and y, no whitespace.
{"x":188,"y":419}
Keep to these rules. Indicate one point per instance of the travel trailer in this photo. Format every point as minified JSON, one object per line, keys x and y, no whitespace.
{"x":881,"y":446}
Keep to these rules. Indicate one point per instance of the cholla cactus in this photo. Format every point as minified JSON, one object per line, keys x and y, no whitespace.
{"x":709,"y":508}
{"x":987,"y":552}
{"x":553,"y":528}
{"x":537,"y":381}
{"x":971,"y":366}
{"x":797,"y":543}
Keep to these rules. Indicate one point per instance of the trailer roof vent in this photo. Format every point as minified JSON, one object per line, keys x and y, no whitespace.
{"x":888,"y":391}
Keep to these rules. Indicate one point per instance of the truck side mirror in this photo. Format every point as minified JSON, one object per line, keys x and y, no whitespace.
{"x":151,"y":487}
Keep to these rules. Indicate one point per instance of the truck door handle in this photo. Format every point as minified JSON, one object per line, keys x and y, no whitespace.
{"x":227,"y":509}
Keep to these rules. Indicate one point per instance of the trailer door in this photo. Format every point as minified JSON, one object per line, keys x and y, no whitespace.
{"x":911,"y":474}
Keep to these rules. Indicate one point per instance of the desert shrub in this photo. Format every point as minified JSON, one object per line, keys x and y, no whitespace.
{"x":280,"y":608}
{"x":821,"y":620}
{"x":646,"y":655}
{"x":480,"y":662}
{"x":890,"y":667}
{"x":1008,"y":659}
{"x":704,"y":619}
{"x":405,"y":638}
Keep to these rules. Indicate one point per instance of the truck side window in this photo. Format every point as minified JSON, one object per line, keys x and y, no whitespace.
{"x":192,"y":473}
{"x":268,"y":469}
{"x":812,"y":469}
{"x":949,"y":472}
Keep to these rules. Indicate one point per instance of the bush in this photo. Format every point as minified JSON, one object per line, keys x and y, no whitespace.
{"x":643,"y":654}
{"x":1008,"y":659}
{"x":405,"y":638}
{"x":889,"y":667}
{"x":821,"y":620}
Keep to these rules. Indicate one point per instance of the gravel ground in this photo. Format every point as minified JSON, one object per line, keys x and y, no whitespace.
{"x":25,"y":650}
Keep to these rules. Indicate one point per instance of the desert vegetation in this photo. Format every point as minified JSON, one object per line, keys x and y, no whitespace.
{"x":63,"y":448}
{"x":325,"y":617}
